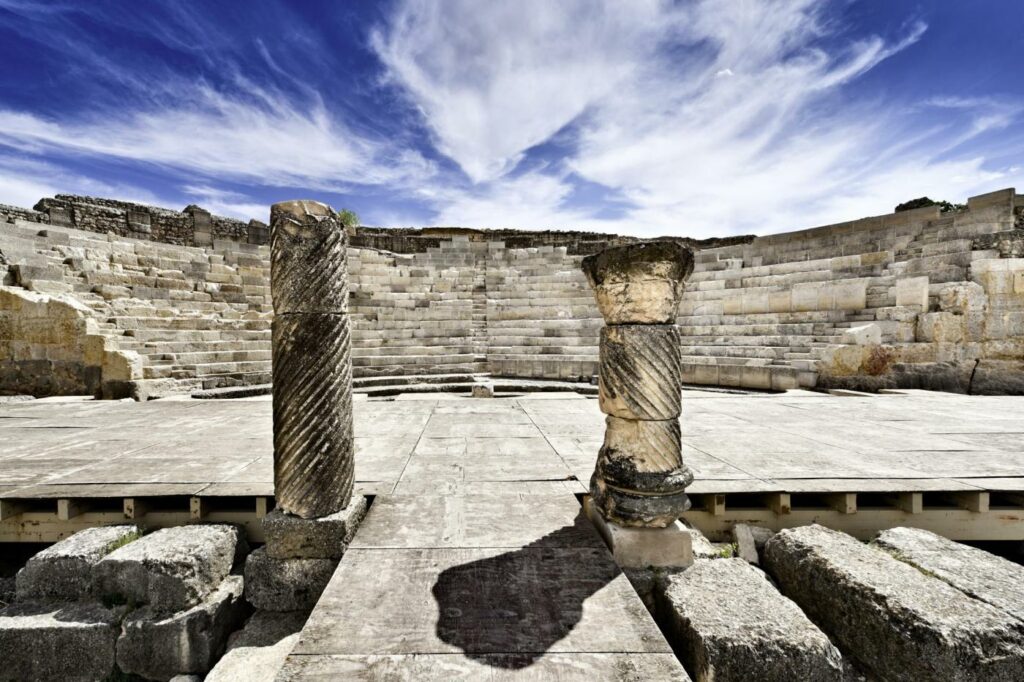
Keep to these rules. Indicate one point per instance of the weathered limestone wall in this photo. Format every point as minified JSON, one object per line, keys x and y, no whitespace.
{"x":420,"y":313}
{"x":52,"y":346}
{"x":157,"y":317}
{"x":914,"y":299}
{"x":194,"y":226}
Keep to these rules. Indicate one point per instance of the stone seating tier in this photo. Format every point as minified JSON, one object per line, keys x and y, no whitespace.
{"x":773,"y":312}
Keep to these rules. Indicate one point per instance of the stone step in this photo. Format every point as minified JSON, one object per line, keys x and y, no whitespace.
{"x":867,"y":602}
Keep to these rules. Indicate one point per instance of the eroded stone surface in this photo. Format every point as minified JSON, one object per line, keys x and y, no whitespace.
{"x":291,"y":537}
{"x":314,"y":466}
{"x":639,"y":283}
{"x":256,"y":653}
{"x":43,"y":642}
{"x":158,"y":646}
{"x":309,"y":267}
{"x":640,"y":479}
{"x":285,"y":584}
{"x":170,"y":569}
{"x":732,"y":625}
{"x":977,"y":573}
{"x":64,"y":571}
{"x":897,"y":622}
{"x":641,"y":371}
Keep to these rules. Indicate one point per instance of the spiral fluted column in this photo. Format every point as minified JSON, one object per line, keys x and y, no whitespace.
{"x":312,"y":363}
{"x":640,"y":478}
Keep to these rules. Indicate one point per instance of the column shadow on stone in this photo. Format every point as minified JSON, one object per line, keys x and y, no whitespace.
{"x":508,"y":610}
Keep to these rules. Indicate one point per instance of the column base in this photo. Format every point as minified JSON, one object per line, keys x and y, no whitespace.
{"x":669,"y":547}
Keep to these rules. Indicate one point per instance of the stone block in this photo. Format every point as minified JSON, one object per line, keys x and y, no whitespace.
{"x":805,"y":297}
{"x":912,"y":291}
{"x":170,"y":569}
{"x":42,"y":642}
{"x":483,"y":390}
{"x":257,"y":653}
{"x":64,"y":571}
{"x":897,"y":622}
{"x":731,"y":625}
{"x":291,"y":537}
{"x":851,"y":295}
{"x":863,"y":335}
{"x":640,"y":372}
{"x":158,"y":646}
{"x":285,"y":584}
{"x":962,"y":298}
{"x":940,"y":327}
{"x":669,"y":547}
{"x":746,"y":545}
{"x":973,"y":571}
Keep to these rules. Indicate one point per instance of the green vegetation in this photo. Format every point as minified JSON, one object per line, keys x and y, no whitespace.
{"x":122,"y":541}
{"x":348,"y":218}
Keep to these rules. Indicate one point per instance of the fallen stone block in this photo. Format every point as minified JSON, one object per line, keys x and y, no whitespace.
{"x":158,"y":646}
{"x":981,"y":575}
{"x":285,"y":584}
{"x":257,"y":652}
{"x":483,"y":390}
{"x":292,"y":537}
{"x":897,"y":622}
{"x":731,"y":624}
{"x":750,"y":541}
{"x":57,"y":641}
{"x":64,"y":571}
{"x":170,"y":569}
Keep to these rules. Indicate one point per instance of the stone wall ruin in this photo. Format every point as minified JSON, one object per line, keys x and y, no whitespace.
{"x":916,"y":299}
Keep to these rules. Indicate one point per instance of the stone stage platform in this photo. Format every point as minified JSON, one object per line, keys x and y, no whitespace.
{"x":949,"y":463}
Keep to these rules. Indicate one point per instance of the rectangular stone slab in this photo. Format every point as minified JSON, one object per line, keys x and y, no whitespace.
{"x":494,"y":668}
{"x":170,"y":569}
{"x":500,"y":520}
{"x":327,"y":537}
{"x":896,"y":621}
{"x":158,"y":646}
{"x":732,"y":625}
{"x":982,"y":575}
{"x":479,"y":601}
{"x":64,"y":571}
{"x":57,"y":641}
{"x":285,"y":584}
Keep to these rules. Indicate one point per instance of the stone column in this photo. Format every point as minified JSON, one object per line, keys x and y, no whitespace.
{"x":312,"y":364}
{"x":640,"y":478}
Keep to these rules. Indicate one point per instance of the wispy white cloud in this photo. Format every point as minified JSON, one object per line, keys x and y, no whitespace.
{"x":707,"y":118}
{"x":23,"y":181}
{"x":264,"y":138}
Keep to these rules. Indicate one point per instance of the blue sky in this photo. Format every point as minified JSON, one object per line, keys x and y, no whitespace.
{"x":646,"y":117}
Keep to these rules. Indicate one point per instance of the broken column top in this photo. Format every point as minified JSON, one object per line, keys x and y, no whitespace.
{"x":308,"y":263}
{"x":639,"y":283}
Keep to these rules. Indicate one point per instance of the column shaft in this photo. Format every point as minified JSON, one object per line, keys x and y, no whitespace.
{"x":312,"y":364}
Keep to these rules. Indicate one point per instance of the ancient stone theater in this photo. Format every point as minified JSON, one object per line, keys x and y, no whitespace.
{"x":304,"y":450}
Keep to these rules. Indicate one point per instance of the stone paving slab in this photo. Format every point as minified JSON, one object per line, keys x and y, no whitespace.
{"x":492,"y":668}
{"x":762,"y":440}
{"x":476,"y":520}
{"x":479,"y":601}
